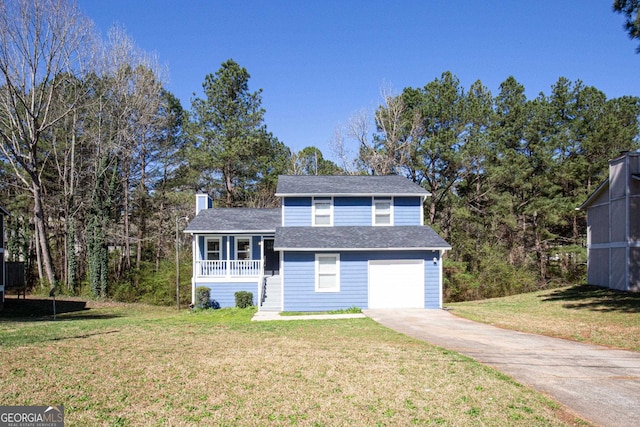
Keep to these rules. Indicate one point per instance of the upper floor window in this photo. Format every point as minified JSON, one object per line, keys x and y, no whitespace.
{"x":382,"y":211}
{"x":322,"y":211}
{"x":243,"y":248}
{"x":213,"y":250}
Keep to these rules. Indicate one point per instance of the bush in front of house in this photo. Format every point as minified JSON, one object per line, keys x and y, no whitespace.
{"x":244,"y":299}
{"x":203,"y":297}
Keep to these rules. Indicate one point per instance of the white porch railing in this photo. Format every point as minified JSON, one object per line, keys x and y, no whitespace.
{"x":242,"y":268}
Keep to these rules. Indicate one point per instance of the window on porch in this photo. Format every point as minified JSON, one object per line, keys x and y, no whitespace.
{"x":213,"y":250}
{"x":243,"y":248}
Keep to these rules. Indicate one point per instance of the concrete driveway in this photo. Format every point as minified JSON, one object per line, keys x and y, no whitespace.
{"x":596,"y":383}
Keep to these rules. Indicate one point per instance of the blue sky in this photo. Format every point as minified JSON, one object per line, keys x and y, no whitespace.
{"x":319,"y":62}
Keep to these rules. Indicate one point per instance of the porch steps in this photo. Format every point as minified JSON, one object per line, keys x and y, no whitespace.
{"x":272,"y":295}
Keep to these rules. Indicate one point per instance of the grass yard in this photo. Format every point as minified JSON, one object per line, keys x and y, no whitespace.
{"x":119,"y":365}
{"x":581,"y":313}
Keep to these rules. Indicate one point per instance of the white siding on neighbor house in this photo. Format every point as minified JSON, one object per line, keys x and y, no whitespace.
{"x":299,"y":280}
{"x":618,"y":279}
{"x":598,"y":267}
{"x":296,"y":211}
{"x":613,"y":228}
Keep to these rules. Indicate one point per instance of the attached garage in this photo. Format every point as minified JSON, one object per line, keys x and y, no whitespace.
{"x":396,"y":284}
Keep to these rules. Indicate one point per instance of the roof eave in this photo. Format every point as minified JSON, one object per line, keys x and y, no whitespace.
{"x":426,"y":248}
{"x":271,"y":231}
{"x":334,"y":194}
{"x":596,"y":193}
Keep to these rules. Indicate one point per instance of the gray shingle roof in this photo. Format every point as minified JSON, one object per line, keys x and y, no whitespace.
{"x":358,"y":238}
{"x":330,"y":185}
{"x":235,"y":220}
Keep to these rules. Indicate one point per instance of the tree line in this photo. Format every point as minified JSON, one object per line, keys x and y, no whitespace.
{"x":99,"y":162}
{"x":505,"y":172}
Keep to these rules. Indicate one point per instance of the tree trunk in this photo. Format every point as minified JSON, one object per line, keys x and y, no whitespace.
{"x":42,"y":242}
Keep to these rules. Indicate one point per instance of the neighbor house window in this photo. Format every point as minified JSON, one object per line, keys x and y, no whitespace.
{"x":213,"y":250}
{"x":382,"y":211}
{"x":243,"y":248}
{"x":327,"y":273}
{"x":322,"y":211}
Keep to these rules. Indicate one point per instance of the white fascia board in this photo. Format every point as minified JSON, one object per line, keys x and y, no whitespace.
{"x":353,"y":194}
{"x":361,"y":249}
{"x":251,"y":232}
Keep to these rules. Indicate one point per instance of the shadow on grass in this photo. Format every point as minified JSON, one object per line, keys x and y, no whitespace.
{"x":33,"y":309}
{"x":595,"y":298}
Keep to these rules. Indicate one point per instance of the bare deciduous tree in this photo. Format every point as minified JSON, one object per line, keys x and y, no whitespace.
{"x":385,"y":151}
{"x":44,"y":46}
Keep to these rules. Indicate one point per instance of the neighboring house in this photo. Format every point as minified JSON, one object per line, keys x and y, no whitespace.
{"x":3,"y":273}
{"x":335,"y":242}
{"x":613,"y":227}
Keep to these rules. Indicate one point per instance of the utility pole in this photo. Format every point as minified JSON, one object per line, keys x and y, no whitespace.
{"x":186,"y":218}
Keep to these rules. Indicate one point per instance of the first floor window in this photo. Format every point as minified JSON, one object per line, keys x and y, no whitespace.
{"x":243,"y":248}
{"x":327,"y":273}
{"x":213,"y":250}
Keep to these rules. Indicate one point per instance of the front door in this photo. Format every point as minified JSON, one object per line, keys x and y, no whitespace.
{"x":271,"y":259}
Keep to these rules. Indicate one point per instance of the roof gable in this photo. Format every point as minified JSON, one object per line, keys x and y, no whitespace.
{"x":352,"y":185}
{"x":604,"y":186}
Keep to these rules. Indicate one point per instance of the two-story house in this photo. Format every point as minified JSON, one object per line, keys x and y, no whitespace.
{"x":335,"y":242}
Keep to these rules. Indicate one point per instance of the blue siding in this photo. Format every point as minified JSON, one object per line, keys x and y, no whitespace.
{"x":432,"y":280}
{"x":406,"y":211}
{"x":351,"y":211}
{"x":224,"y":293}
{"x":299,"y":280}
{"x":255,"y":247}
{"x":201,"y":246}
{"x":297,"y":211}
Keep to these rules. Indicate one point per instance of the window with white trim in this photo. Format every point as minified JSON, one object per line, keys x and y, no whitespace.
{"x":327,"y":273}
{"x":212,"y":249}
{"x":322,"y":211}
{"x":243,"y":248}
{"x":382,"y":211}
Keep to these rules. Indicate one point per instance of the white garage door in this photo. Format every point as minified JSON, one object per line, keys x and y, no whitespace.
{"x":396,"y":284}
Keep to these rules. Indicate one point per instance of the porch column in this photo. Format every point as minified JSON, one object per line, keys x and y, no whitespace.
{"x":195,"y":254}
{"x":227,"y":270}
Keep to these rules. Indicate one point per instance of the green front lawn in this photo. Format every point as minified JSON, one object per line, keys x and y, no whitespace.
{"x":120,"y":365}
{"x":581,"y":313}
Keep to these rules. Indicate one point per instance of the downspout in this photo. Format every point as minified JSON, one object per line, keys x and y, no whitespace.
{"x":228,"y":269}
